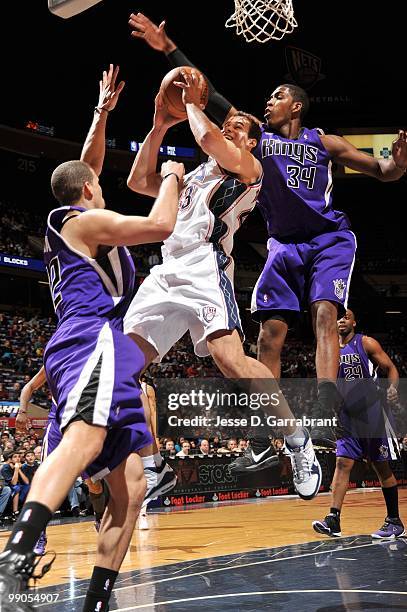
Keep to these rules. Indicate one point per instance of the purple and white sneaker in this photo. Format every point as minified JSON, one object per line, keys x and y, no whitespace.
{"x":41,"y":544}
{"x":330,"y":526}
{"x":391,"y":529}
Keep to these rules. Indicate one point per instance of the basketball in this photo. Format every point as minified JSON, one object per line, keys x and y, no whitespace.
{"x":172,"y":95}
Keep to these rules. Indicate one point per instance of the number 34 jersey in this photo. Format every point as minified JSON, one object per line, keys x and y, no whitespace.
{"x":296,"y":196}
{"x":83,"y":286}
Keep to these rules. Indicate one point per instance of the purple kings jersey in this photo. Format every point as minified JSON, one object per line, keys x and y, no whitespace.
{"x":354,"y":362}
{"x":82,"y":286}
{"x":296,"y":196}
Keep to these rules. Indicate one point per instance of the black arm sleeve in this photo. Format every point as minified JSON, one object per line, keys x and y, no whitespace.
{"x":218,"y":107}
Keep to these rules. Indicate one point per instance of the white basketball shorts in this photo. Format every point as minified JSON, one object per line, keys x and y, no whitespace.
{"x":191,"y":291}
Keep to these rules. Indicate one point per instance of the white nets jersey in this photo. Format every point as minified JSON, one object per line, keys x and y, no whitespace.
{"x":212,"y":206}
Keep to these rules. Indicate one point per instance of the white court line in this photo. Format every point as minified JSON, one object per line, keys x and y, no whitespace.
{"x":212,"y":571}
{"x":206,"y":598}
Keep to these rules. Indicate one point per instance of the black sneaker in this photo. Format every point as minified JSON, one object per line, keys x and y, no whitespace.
{"x":15,"y":572}
{"x":252,"y":462}
{"x":330,"y":526}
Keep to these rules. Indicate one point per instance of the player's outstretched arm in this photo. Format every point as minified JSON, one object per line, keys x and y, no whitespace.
{"x":156,"y":37}
{"x":27,"y":391}
{"x":210,"y":138}
{"x":381,"y":359}
{"x":345,"y":154}
{"x":97,"y":227}
{"x":93,"y":151}
{"x":143,"y":177}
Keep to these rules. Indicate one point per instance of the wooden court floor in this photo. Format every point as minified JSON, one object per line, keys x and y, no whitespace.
{"x":195,"y":533}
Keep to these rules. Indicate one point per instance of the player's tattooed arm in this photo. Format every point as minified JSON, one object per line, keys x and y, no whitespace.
{"x":381,"y":359}
{"x":93,"y":151}
{"x":345,"y":154}
{"x":156,"y":37}
{"x":143,"y":177}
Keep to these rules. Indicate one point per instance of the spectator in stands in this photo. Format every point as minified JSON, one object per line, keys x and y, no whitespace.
{"x":37,"y":454}
{"x":186,"y":447}
{"x":5,"y":437}
{"x":3,"y":392}
{"x":5,"y":493}
{"x":242,"y":445}
{"x":170,"y":448}
{"x":15,"y":479}
{"x":178,"y":445}
{"x":204,"y":447}
{"x":278,"y":443}
{"x":18,"y":439}
{"x":192,"y":371}
{"x":30,"y":466}
{"x":216,"y":443}
{"x":232,"y":445}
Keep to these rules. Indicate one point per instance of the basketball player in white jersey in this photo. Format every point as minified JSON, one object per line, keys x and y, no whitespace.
{"x":192,"y":290}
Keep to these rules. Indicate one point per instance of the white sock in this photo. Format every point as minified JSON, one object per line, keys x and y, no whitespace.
{"x":148,"y":462}
{"x":158,"y":459}
{"x":296,"y":439}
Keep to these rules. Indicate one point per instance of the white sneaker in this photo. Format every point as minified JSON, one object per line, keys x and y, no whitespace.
{"x":159,"y":481}
{"x":307,"y":473}
{"x":142,"y":522}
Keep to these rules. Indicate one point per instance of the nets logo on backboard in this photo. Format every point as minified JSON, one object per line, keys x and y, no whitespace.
{"x":304,"y":67}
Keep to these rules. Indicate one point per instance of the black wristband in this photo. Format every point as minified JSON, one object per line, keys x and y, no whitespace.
{"x":99,"y":110}
{"x":171,"y":173}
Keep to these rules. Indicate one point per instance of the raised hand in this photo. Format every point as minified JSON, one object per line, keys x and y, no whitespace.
{"x":21,"y":422}
{"x":108,"y":91}
{"x":399,"y":150}
{"x":192,"y":88}
{"x":155,"y":36}
{"x":162,"y":117}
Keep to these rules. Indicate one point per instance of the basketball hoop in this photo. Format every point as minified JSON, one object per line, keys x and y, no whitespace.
{"x":262,"y":20}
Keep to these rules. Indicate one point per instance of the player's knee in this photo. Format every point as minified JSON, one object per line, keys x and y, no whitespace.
{"x":343,"y":464}
{"x":270,"y":342}
{"x":272,"y":335}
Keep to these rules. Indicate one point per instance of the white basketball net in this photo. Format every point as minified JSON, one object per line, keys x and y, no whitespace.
{"x":262,"y":20}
